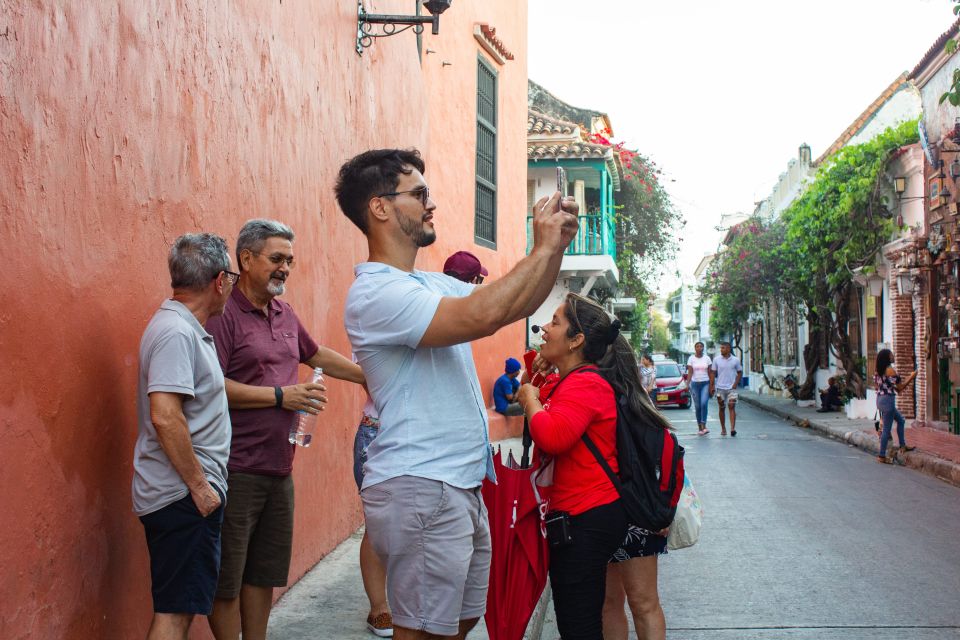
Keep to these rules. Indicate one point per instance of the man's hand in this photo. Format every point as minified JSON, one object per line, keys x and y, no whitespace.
{"x":554,"y":226}
{"x":572,"y":222}
{"x":206,"y":498}
{"x":307,"y":397}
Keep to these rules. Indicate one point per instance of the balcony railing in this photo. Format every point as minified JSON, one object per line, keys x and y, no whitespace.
{"x":595,"y":237}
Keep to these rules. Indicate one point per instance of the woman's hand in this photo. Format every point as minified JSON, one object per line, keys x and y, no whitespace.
{"x":541,"y":365}
{"x":528,"y":396}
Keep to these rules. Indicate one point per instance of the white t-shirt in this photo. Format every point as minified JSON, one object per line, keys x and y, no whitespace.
{"x":701,"y":368}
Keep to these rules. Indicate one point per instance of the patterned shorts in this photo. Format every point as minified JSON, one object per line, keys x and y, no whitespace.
{"x":640,"y":543}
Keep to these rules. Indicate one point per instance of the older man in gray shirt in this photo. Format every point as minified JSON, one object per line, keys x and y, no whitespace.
{"x":180,"y":459}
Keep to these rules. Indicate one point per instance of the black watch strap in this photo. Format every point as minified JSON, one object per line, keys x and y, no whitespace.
{"x":278,"y":392}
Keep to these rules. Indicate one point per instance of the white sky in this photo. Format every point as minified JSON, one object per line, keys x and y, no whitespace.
{"x":721,"y":94}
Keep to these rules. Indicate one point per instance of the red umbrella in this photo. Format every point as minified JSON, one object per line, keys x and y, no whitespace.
{"x":518,"y":569}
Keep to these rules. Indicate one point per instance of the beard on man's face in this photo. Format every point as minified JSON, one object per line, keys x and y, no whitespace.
{"x":417,"y":230}
{"x":277,"y":284}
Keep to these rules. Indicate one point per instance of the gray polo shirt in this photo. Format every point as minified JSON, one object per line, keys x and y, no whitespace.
{"x":178,"y":356}
{"x":727,"y":370}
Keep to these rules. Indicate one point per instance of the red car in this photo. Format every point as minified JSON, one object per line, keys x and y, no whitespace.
{"x":672,"y":389}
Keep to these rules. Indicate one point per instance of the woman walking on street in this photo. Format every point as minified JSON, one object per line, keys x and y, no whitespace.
{"x":889,"y":384}
{"x":648,"y":374}
{"x":595,"y":365}
{"x":700,"y":377}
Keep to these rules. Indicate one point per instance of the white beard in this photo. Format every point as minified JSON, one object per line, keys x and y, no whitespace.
{"x":276,"y":288}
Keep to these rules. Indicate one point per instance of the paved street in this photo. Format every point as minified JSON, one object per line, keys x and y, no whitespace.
{"x":806,"y":537}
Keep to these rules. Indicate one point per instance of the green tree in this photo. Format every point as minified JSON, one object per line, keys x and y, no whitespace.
{"x":659,"y":336}
{"x":808,"y":255}
{"x":953,"y":93}
{"x":647,"y":227}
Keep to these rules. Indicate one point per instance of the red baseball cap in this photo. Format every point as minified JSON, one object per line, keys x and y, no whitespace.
{"x":465,"y":266}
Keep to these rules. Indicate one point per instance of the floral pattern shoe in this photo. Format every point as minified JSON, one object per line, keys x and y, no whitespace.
{"x":381,"y":625}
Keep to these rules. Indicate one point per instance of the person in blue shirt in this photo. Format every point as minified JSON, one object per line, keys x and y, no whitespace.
{"x":505,"y":389}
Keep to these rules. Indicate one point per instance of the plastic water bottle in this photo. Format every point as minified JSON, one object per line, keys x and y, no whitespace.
{"x":302,"y":431}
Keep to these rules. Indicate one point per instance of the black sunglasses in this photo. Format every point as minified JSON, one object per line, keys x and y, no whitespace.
{"x":420,"y":192}
{"x":232,"y":276}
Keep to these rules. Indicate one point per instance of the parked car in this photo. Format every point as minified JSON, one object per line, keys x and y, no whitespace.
{"x":672,"y":389}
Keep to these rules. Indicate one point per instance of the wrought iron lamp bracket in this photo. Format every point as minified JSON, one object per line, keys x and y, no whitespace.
{"x":389,"y":25}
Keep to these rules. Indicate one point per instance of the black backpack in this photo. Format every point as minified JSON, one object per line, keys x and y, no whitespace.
{"x":651,"y":470}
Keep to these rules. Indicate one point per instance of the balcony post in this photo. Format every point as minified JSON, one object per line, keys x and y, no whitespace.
{"x":604,"y":204}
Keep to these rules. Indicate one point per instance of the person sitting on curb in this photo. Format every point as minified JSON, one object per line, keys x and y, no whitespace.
{"x":505,"y":390}
{"x":830,"y":397}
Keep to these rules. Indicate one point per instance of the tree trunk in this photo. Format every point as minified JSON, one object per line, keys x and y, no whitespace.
{"x":840,"y":339}
{"x":811,"y":355}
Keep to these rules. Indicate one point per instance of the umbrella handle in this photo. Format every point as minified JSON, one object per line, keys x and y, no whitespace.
{"x":527,"y":442}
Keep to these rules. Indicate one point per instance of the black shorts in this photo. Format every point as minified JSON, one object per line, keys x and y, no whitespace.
{"x":640,"y":543}
{"x":184,"y":556}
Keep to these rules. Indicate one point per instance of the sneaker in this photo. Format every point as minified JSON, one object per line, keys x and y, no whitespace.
{"x":905,"y":449}
{"x":884,"y":460}
{"x":381,"y":626}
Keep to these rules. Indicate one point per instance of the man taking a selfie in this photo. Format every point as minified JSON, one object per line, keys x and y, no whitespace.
{"x":411,"y":333}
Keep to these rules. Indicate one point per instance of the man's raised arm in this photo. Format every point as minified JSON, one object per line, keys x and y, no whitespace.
{"x":517,"y":294}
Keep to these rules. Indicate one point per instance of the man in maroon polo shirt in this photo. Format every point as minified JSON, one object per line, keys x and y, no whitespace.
{"x":261,"y":344}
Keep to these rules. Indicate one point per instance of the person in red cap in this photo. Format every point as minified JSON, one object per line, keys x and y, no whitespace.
{"x":465,"y":266}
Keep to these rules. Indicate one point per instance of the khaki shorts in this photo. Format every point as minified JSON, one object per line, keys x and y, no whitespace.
{"x":434,"y":540}
{"x":257,"y":535}
{"x":727,"y":396}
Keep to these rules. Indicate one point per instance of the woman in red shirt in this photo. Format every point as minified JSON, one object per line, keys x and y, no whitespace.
{"x":594,"y":365}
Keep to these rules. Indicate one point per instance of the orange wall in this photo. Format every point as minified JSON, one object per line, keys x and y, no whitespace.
{"x":126,"y":124}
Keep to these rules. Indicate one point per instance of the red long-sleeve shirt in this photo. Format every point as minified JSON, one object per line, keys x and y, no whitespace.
{"x":583,"y":403}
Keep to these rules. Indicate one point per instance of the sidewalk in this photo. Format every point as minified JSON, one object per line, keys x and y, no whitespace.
{"x":937,"y":452}
{"x":329,"y":601}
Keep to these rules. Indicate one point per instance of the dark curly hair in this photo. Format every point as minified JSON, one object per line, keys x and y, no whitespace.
{"x":372,"y":172}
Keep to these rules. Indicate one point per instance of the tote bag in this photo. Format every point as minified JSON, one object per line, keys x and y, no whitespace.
{"x":685,"y":529}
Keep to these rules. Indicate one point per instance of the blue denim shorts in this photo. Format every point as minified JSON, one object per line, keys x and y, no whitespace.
{"x":365,"y":434}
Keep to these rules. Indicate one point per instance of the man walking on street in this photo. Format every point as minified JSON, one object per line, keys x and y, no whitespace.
{"x":260,"y":345}
{"x":410,"y":331}
{"x":727,"y":373}
{"x":180,"y":459}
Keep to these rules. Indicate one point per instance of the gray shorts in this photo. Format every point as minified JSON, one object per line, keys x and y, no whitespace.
{"x":727,"y":396}
{"x":434,"y":540}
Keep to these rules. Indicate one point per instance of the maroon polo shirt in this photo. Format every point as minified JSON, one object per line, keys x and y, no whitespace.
{"x":264,"y":351}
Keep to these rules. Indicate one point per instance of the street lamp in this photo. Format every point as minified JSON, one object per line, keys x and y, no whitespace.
{"x":389,"y":23}
{"x":905,"y":283}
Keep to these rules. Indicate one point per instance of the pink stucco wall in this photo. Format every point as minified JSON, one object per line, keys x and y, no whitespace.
{"x":125,"y":124}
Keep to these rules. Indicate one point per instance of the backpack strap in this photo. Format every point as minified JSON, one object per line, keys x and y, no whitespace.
{"x":603,"y":463}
